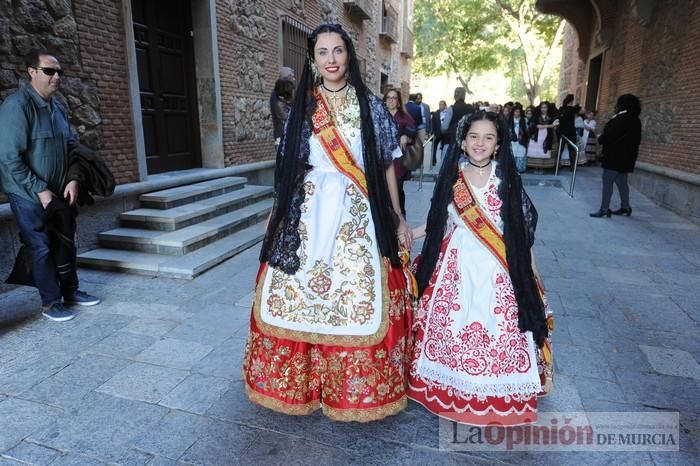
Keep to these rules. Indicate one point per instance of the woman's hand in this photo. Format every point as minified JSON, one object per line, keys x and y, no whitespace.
{"x":403,"y":142}
{"x":404,"y":234}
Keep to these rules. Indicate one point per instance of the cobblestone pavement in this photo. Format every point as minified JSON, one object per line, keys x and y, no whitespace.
{"x":152,"y":375}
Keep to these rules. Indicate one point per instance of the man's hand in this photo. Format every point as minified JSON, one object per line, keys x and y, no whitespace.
{"x":45,"y":197}
{"x":71,"y":192}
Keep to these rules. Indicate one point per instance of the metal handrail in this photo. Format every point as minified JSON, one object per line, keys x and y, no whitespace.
{"x":573,"y":161}
{"x":420,"y":177}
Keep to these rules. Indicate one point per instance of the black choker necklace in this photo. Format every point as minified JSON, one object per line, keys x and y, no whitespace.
{"x":338,"y":90}
{"x":480,"y":167}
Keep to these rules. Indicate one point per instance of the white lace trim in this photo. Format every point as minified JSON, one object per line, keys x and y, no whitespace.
{"x":468,"y":389}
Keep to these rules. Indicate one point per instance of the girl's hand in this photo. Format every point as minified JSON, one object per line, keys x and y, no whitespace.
{"x":403,"y":142}
{"x":404,"y":234}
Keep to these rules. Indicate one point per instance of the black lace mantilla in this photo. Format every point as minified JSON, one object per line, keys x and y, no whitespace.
{"x":529,"y":213}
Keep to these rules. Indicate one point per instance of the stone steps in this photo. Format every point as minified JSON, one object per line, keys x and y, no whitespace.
{"x":179,"y":217}
{"x":182,"y":232}
{"x":181,"y":195}
{"x":187,"y":266}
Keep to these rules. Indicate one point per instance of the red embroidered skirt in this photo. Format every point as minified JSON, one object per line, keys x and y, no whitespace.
{"x":349,"y":383}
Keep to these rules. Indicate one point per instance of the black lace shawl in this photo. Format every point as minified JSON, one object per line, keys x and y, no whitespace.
{"x":284,"y":251}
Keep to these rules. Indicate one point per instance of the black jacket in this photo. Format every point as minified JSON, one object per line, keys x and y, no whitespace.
{"x":620,"y":139}
{"x":91,"y":172}
{"x":59,"y":219}
{"x":459,"y":109}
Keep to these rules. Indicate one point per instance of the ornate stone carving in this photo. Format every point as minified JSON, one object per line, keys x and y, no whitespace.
{"x":329,"y":11}
{"x":252,"y":119}
{"x":297,"y":7}
{"x":250,"y":66}
{"x":643,"y":10}
{"x":247,"y":18}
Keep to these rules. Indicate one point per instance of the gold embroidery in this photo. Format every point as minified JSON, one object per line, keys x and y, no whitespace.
{"x":339,"y":294}
{"x":296,"y":383}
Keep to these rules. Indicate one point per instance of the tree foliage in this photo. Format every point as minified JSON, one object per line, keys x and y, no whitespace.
{"x":466,"y":37}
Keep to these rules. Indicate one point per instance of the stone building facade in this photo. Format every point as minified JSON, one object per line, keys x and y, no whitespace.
{"x":650,"y":48}
{"x":166,"y":85}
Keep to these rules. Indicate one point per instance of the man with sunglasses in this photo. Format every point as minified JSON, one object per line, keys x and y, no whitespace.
{"x":35,"y":137}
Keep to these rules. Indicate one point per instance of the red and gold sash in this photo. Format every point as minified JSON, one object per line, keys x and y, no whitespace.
{"x":477,"y":221}
{"x":469,"y":210}
{"x":334,"y":144}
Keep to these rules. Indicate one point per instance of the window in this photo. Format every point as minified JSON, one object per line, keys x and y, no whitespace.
{"x":294,"y":35}
{"x":595,"y":68}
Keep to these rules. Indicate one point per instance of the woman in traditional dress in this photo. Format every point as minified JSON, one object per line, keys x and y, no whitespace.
{"x":518,"y":137}
{"x":331,"y":317}
{"x":589,"y":139}
{"x":407,"y":134}
{"x":482,"y":351}
{"x":541,"y":132}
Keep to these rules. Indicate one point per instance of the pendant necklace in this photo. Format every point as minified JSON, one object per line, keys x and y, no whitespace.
{"x":480,"y":167}
{"x":334,"y":94}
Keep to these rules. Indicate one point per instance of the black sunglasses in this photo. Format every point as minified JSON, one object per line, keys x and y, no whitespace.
{"x":49,"y":71}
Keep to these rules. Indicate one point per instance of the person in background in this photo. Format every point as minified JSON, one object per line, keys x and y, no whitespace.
{"x":424,"y":127}
{"x":436,"y":124}
{"x":281,"y":101}
{"x":407,"y":134}
{"x":541,"y":132}
{"x":518,"y":137}
{"x":566,"y":127}
{"x":413,"y":109}
{"x":35,"y":142}
{"x":589,"y":141}
{"x":457,"y":111}
{"x":620,"y":140}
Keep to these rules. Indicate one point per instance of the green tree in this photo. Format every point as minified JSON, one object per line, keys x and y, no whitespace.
{"x":466,"y":37}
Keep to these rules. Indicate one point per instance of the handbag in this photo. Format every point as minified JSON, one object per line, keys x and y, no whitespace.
{"x":413,"y":158}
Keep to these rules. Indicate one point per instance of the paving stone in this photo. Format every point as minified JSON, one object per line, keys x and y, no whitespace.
{"x":659,"y":391}
{"x":564,"y":397}
{"x":196,"y":393}
{"x":123,"y":345}
{"x":308,"y":453}
{"x":20,"y":418}
{"x":151,"y":327}
{"x":145,"y":382}
{"x":672,"y":362}
{"x":57,"y":393}
{"x":598,"y":389}
{"x":23,"y":373}
{"x":90,"y":371}
{"x":676,"y":458}
{"x":173,"y":435}
{"x":31,"y":453}
{"x":72,"y":459}
{"x":226,"y":360}
{"x":169,"y":352}
{"x":222,"y":444}
{"x":270,"y":448}
{"x":147,"y":310}
{"x":573,"y":360}
{"x":102,"y":428}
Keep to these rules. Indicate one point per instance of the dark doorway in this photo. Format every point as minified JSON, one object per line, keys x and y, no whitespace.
{"x":594,"y":69}
{"x":164,"y":55}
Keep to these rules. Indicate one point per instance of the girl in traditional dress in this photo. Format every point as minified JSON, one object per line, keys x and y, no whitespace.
{"x":541,"y":132}
{"x":331,"y":315}
{"x":518,"y":137}
{"x":482,"y":351}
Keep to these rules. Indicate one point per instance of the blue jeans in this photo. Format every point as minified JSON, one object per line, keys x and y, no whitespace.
{"x":39,"y":243}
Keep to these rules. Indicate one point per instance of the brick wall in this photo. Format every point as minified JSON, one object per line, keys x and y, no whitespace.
{"x":660,"y":63}
{"x":103,"y":59}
